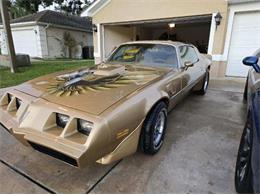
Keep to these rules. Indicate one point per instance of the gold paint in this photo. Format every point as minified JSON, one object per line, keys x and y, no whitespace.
{"x":123,"y":107}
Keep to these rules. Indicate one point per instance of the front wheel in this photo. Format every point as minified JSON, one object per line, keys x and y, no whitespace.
{"x":245,"y":91}
{"x":153,"y":131}
{"x":243,"y":173}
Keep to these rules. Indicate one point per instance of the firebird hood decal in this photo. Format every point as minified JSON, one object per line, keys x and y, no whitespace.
{"x":92,"y":90}
{"x":80,"y":82}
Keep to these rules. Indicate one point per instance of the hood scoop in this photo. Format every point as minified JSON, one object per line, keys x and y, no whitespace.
{"x":105,"y":70}
{"x":90,"y":77}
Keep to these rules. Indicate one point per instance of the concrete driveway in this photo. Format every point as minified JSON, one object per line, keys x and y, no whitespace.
{"x":198,"y":155}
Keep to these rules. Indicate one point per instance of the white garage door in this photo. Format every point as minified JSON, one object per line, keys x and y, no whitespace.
{"x":25,"y":42}
{"x":245,"y":40}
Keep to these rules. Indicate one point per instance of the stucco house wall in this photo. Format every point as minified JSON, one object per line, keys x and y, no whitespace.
{"x":55,"y":42}
{"x":115,"y":35}
{"x":1,"y":40}
{"x":46,"y":41}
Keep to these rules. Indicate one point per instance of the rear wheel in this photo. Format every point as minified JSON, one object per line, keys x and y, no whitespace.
{"x":205,"y":85}
{"x":243,"y":174}
{"x":153,"y":131}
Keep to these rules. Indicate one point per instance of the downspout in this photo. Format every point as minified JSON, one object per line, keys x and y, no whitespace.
{"x":46,"y":37}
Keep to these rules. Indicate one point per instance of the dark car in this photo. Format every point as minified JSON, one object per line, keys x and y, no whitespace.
{"x":247,"y":176}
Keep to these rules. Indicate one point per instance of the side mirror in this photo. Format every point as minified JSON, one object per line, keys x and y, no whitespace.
{"x":252,"y":61}
{"x":188,"y":65}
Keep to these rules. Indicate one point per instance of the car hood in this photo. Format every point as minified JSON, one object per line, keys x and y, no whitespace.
{"x":92,"y":90}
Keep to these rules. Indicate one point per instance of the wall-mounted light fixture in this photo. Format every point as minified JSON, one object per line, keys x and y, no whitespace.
{"x":172,"y":25}
{"x":218,"y":19}
{"x":94,"y":28}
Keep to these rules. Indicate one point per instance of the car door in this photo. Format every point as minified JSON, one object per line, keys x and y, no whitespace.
{"x":173,"y":85}
{"x":189,"y":55}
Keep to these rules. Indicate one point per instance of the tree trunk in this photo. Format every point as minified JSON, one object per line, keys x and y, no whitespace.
{"x":8,"y":35}
{"x":70,"y":52}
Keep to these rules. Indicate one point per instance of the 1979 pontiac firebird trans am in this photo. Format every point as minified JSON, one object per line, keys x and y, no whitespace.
{"x":106,"y":112}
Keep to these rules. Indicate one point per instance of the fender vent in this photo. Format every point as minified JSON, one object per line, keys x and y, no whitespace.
{"x":54,"y":154}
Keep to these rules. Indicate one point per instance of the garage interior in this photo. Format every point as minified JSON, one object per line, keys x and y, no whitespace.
{"x":192,"y":29}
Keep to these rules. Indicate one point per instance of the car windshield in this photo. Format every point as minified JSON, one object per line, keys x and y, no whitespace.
{"x":158,"y":55}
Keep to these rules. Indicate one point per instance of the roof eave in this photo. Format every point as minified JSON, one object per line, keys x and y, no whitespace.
{"x":25,"y":24}
{"x":21,"y":24}
{"x":64,"y":27}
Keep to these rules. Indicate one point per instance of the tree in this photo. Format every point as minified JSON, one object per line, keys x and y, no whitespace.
{"x":19,"y":8}
{"x":69,"y":42}
{"x":16,"y":12}
{"x":32,"y":6}
{"x":73,"y":7}
{"x":8,"y":34}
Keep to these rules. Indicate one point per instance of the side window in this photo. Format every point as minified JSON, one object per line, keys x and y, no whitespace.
{"x":188,"y":54}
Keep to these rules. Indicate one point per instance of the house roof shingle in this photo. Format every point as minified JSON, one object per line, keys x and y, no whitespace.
{"x":57,"y":18}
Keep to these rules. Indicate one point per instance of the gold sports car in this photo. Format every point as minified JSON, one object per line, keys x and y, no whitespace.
{"x":106,"y":112}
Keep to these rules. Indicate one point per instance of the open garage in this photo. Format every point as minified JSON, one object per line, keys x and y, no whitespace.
{"x":202,"y":24}
{"x":175,"y":29}
{"x":227,"y":30}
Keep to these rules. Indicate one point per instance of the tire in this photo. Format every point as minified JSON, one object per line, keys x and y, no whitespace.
{"x":245,"y":91}
{"x":205,"y":85}
{"x":243,"y":172}
{"x":153,"y":130}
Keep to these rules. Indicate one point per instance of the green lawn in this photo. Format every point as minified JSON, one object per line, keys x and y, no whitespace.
{"x":37,"y":69}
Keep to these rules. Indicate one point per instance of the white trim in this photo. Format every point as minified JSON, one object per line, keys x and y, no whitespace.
{"x":217,"y":57}
{"x":101,"y":7}
{"x":95,"y":8}
{"x":212,"y":34}
{"x":22,"y":24}
{"x":103,"y":55}
{"x":231,"y":2}
{"x":233,"y":9}
{"x":28,"y":24}
{"x":88,"y":10}
{"x":98,"y":53}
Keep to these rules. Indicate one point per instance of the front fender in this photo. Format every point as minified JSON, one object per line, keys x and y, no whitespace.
{"x":255,"y":115}
{"x":255,"y":111}
{"x":125,"y":121}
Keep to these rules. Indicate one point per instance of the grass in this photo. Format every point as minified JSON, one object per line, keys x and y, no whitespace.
{"x":38,"y":68}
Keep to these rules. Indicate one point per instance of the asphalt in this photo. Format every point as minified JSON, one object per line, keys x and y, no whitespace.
{"x":198,"y":155}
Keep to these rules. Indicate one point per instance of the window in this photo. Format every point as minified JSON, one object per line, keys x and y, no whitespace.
{"x":188,"y":54}
{"x":158,"y":55}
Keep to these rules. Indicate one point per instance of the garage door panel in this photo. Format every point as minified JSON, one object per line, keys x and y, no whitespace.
{"x":244,"y":51}
{"x":25,"y":42}
{"x":245,"y":40}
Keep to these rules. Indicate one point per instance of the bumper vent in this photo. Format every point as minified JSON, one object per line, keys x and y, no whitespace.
{"x":54,"y":154}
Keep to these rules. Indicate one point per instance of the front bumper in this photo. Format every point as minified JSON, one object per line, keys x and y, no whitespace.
{"x":34,"y":124}
{"x":54,"y":146}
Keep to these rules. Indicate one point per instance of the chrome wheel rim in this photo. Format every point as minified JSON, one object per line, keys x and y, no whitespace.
{"x":244,"y":156}
{"x":159,"y":128}
{"x":206,"y":83}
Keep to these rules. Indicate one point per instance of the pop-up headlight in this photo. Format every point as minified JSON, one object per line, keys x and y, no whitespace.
{"x":9,"y":97}
{"x":62,"y":120}
{"x":18,"y":103}
{"x":84,"y":126}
